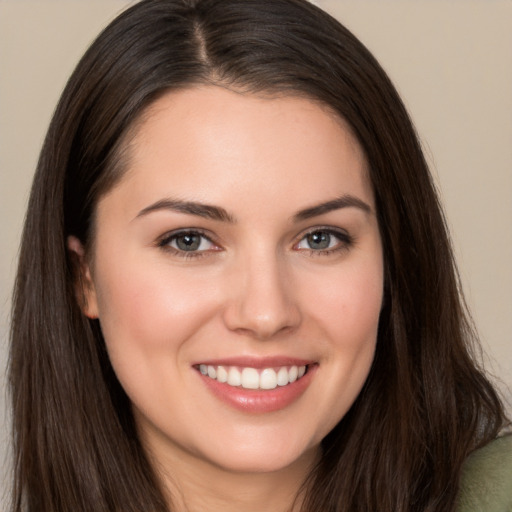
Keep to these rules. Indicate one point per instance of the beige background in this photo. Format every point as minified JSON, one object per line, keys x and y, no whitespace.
{"x":450,"y":59}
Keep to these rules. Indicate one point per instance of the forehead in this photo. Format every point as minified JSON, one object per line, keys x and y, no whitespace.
{"x":208,"y":143}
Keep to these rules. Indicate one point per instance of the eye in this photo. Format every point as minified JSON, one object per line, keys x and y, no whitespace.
{"x":187,"y":242}
{"x":324,"y":241}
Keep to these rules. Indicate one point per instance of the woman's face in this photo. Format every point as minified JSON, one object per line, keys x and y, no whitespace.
{"x":237,"y":275}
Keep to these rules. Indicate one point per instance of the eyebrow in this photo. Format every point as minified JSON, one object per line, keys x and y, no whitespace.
{"x":220,"y":214}
{"x":345,"y":201}
{"x":189,"y":207}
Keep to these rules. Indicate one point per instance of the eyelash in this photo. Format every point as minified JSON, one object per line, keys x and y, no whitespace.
{"x":164,"y":243}
{"x":345,"y":242}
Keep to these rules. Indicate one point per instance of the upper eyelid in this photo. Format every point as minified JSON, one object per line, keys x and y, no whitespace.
{"x":328,"y":229}
{"x":164,"y":241}
{"x":183,"y":231}
{"x":168,"y":236}
{"x":345,"y":238}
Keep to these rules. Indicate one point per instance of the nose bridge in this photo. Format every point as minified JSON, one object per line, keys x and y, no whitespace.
{"x":262,"y":302}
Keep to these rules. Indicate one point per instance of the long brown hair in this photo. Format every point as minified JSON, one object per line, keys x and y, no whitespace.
{"x":425,"y":404}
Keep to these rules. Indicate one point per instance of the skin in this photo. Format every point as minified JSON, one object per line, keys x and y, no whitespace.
{"x":254,"y":288}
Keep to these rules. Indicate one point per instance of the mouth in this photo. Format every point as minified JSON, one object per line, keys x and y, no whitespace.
{"x":257,"y":385}
{"x":253,"y":378}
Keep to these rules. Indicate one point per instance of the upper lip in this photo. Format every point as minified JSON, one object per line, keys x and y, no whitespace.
{"x":256,"y":362}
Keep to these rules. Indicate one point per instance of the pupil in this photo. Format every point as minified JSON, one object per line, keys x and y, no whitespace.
{"x":319,"y":240}
{"x":188,"y":242}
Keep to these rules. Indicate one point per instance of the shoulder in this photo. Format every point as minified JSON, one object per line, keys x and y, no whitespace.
{"x":486,"y":481}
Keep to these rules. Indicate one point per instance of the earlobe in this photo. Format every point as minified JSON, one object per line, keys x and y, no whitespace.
{"x":84,"y":286}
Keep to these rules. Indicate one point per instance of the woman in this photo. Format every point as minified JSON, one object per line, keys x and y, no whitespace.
{"x":227,"y":294}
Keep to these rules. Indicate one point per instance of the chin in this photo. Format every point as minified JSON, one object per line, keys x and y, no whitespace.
{"x":249,"y":458}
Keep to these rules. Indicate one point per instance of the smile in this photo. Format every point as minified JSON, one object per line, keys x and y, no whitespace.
{"x":252,"y":378}
{"x":257,"y":385}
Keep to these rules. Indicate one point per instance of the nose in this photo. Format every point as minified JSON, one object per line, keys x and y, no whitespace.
{"x":262,"y":301}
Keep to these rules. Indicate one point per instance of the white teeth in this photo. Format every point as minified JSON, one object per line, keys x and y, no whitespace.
{"x":222,"y":374}
{"x":282,"y":377}
{"x":234,"y":377}
{"x":251,"y":378}
{"x":268,"y":379}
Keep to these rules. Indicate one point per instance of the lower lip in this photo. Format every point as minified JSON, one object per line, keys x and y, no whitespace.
{"x":257,"y":400}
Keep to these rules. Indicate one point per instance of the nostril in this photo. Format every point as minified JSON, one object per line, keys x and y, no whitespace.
{"x":248,"y":319}
{"x":261,"y":300}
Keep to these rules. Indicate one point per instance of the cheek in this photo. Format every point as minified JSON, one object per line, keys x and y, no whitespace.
{"x":145,"y":310}
{"x":348,"y":302}
{"x":347,"y":313}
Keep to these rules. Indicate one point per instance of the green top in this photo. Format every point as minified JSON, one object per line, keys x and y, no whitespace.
{"x":486,"y":483}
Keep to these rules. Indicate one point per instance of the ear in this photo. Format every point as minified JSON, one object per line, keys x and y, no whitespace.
{"x":84,"y":286}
